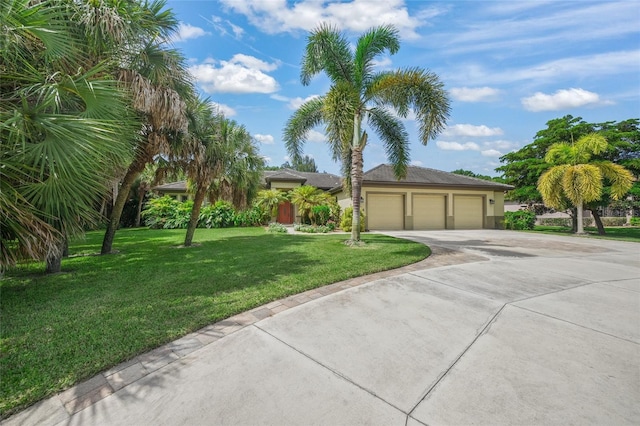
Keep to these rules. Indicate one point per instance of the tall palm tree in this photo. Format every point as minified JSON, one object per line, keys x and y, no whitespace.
{"x":159,"y":84}
{"x":578,"y":179}
{"x":217,"y":150}
{"x":65,"y":128}
{"x":359,"y":95}
{"x":241,"y":176}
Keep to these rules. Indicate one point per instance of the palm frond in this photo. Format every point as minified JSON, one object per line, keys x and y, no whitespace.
{"x":414,"y":88}
{"x":327,"y":50}
{"x":560,"y":153}
{"x":394,"y":137}
{"x":621,"y":179}
{"x":297,"y":128}
{"x":371,"y":44}
{"x":582,"y":183}
{"x":550,"y":186}
{"x":340,"y":106}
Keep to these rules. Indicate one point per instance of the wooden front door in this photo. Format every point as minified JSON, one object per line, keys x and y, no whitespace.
{"x":285,"y":213}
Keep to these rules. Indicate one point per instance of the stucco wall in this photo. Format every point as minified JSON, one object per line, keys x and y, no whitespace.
{"x":493,"y":202}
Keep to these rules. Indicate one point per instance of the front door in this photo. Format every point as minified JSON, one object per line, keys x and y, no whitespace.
{"x":285,"y":213}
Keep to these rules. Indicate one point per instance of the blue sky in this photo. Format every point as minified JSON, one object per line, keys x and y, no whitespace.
{"x":509,"y":67}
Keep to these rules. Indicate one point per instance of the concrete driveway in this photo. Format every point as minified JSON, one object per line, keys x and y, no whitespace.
{"x":497,"y":327}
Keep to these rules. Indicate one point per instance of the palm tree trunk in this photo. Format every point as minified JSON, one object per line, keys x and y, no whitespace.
{"x":356,"y":191}
{"x":54,"y":258}
{"x":580,"y":227}
{"x":114,"y":222}
{"x":195,"y":215}
{"x":141,"y":195}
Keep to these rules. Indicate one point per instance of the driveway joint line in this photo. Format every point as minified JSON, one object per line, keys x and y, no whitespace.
{"x":453,"y":287}
{"x":336,"y":372}
{"x":455,"y":361}
{"x":577,"y":325}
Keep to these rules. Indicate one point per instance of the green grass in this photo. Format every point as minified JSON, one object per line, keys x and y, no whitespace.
{"x":627,"y":233}
{"x":102,"y":310}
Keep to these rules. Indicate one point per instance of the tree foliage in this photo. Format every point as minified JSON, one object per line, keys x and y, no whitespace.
{"x":574,"y":175}
{"x":524,"y":167}
{"x":305,"y":163}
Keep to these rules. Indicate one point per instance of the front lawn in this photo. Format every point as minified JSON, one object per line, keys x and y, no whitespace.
{"x":102,"y":310}
{"x":625,"y":233}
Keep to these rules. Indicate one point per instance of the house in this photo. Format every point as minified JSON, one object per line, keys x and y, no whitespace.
{"x":428,"y":199}
{"x":425,"y":199}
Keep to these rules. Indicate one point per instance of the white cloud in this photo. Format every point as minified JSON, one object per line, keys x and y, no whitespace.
{"x":241,"y":74}
{"x":293,"y":103}
{"x":187,"y":31}
{"x":384,"y":63}
{"x":264,"y":139}
{"x":267,"y":159}
{"x":562,"y":99}
{"x":277,"y":16}
{"x":416,"y":163}
{"x":224,"y":109}
{"x":315,"y":136}
{"x":491,"y":153}
{"x":474,"y":94}
{"x":220,"y":25}
{"x":457,"y":146}
{"x":472,"y":131}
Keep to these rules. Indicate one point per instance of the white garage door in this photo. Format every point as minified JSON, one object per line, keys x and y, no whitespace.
{"x":385,"y":211}
{"x":428,"y":212}
{"x":467,"y":211}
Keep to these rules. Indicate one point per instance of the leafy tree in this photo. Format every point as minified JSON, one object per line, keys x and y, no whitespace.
{"x":477,"y":176}
{"x":65,"y":127}
{"x":358,"y":95}
{"x":573,"y":175}
{"x":302,"y":164}
{"x":270,"y":199}
{"x":524,"y":167}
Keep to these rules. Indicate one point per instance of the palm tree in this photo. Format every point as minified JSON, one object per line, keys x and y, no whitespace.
{"x":65,"y":128}
{"x":359,"y":95}
{"x":270,"y":199}
{"x":157,"y":79}
{"x":574,"y":177}
{"x":306,"y":197}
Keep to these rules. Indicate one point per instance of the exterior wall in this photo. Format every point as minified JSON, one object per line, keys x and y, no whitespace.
{"x":493,"y":202}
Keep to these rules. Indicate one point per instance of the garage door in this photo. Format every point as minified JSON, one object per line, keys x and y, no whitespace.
{"x":428,"y":212}
{"x":467,"y":211}
{"x":385,"y":211}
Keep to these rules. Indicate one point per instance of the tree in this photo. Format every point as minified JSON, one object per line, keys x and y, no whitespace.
{"x":469,"y":173}
{"x":524,"y":167}
{"x":270,"y":199}
{"x":66,"y":127}
{"x":305,"y":197}
{"x":302,"y":164}
{"x":359,"y":95}
{"x":157,"y":79}
{"x":573,"y":175}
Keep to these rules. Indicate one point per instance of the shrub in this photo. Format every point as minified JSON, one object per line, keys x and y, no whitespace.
{"x":614,"y":221}
{"x":313,"y":229}
{"x":635,"y":221}
{"x":555,"y":221}
{"x":520,"y":220}
{"x":218,"y":215}
{"x":347,"y":217}
{"x":277,"y":227}
{"x":321,"y":214}
{"x":165,"y":212}
{"x":255,"y":216}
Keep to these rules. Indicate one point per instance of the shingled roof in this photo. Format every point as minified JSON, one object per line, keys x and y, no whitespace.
{"x":324,"y":181}
{"x":383,"y":174}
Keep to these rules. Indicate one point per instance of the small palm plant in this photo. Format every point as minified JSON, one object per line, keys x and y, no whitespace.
{"x":306,"y":197}
{"x":578,"y":179}
{"x":270,"y":199}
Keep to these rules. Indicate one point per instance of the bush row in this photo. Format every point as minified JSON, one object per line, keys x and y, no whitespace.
{"x":566,"y":221}
{"x":520,"y":220}
{"x":167,"y":213}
